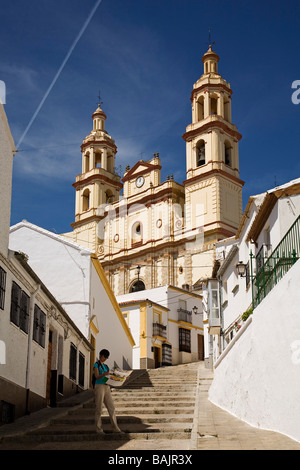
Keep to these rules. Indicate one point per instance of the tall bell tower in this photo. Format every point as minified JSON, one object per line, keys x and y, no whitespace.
{"x":213,"y":189}
{"x":98,"y":184}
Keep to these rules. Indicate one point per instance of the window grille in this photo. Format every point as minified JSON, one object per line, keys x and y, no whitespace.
{"x":73,"y":361}
{"x":2,"y":287}
{"x":39,"y":326}
{"x":81,"y":369}
{"x":184,"y":340}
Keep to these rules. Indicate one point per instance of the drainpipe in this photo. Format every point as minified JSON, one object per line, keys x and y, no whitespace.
{"x":29,"y":349}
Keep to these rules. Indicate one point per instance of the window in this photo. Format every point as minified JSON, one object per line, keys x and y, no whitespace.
{"x":184,"y":340}
{"x":15,"y":304}
{"x":97,"y":160}
{"x":81,"y":369}
{"x":228,"y":153}
{"x":200,"y":153}
{"x":24,"y":311}
{"x":136,"y":234}
{"x":39,"y":326}
{"x":137,"y":286}
{"x":2,"y":287}
{"x":86,"y":200}
{"x":166,"y":354}
{"x":248,"y":276}
{"x":214,"y":104}
{"x":200,"y":108}
{"x":73,"y":362}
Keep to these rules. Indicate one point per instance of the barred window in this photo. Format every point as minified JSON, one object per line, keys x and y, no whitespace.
{"x":39,"y":326}
{"x":184,"y":340}
{"x":81,"y":369}
{"x":2,"y":287}
{"x":24,"y":311}
{"x":15,"y":305}
{"x":73,"y":362}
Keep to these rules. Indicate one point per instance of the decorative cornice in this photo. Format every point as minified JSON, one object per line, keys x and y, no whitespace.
{"x":210,"y":125}
{"x":97,"y":177}
{"x":215,"y":172}
{"x":91,"y":143}
{"x":207,"y":86}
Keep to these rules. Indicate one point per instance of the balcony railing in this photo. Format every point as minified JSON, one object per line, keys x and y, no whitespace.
{"x":184,"y":315}
{"x":159,"y":330}
{"x":277,"y":264}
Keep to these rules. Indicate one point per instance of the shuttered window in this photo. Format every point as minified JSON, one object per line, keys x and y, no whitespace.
{"x":39,"y":326}
{"x":24,"y":311}
{"x":73,"y":361}
{"x":81,"y":369}
{"x":15,"y":304}
{"x":2,"y":287}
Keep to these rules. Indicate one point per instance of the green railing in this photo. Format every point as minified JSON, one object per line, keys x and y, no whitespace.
{"x":271,"y":269}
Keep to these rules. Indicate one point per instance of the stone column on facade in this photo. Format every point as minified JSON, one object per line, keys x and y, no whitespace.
{"x":165,"y":269}
{"x":206,"y":105}
{"x":104,"y":159}
{"x":221,"y":105}
{"x":188,"y":268}
{"x":122,"y":280}
{"x":92,"y":162}
{"x":149,"y":273}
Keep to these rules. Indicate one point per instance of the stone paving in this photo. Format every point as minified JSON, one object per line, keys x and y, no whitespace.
{"x":213,"y":429}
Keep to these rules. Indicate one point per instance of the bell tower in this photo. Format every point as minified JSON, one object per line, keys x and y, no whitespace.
{"x":98,"y":184}
{"x":213,"y":188}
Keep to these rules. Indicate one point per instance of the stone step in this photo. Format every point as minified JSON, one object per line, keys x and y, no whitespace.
{"x":150,"y":418}
{"x":140,"y":411}
{"x":138,"y":402}
{"x":92,"y":436}
{"x":81,"y":430}
{"x":153,"y":394}
{"x":148,"y":398}
{"x":153,"y":404}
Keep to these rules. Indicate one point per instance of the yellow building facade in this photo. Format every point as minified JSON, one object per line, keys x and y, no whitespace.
{"x":148,"y":233}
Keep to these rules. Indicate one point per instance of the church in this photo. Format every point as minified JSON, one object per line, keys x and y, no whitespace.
{"x":146,"y":232}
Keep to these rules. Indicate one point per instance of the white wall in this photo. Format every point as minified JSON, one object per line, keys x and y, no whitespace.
{"x":7,"y":149}
{"x":258,"y":380}
{"x":25,"y":358}
{"x":168,"y":297}
{"x":63,"y":266}
{"x":112,"y":331}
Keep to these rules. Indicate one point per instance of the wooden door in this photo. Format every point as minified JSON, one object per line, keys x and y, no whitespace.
{"x":48,"y":386}
{"x":201,"y":347}
{"x":156,"y":357}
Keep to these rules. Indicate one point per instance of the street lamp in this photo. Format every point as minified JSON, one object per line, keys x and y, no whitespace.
{"x":195,"y":310}
{"x":138,"y":270}
{"x":241,"y":269}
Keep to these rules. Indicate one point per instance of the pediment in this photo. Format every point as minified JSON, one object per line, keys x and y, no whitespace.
{"x":140,"y":168}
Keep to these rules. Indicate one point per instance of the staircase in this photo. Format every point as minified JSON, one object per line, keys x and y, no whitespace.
{"x":157,"y":404}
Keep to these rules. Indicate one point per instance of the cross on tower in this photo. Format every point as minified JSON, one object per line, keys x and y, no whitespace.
{"x":209,"y":38}
{"x":99,"y":99}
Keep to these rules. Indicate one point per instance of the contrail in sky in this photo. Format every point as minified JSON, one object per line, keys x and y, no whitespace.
{"x":60,"y":69}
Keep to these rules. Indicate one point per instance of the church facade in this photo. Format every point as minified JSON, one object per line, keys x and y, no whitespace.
{"x":147,"y":232}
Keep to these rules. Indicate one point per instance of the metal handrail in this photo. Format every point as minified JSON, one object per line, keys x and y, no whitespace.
{"x":282,"y":258}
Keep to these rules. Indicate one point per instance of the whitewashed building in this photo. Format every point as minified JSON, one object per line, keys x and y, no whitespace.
{"x":230,"y":294}
{"x":166,"y":324}
{"x":77,"y":280}
{"x":253,"y":312}
{"x":43,"y":355}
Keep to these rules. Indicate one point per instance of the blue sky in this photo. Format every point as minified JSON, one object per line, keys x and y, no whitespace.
{"x":144,"y":56}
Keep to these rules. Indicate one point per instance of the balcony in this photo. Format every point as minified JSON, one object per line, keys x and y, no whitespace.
{"x":184,"y":315}
{"x":159,"y":330}
{"x":277,"y":264}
